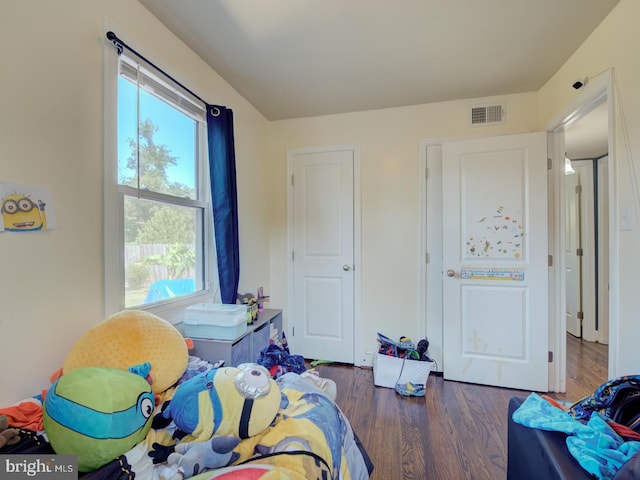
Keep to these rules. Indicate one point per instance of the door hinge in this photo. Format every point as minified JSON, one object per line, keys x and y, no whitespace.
{"x":550,"y":260}
{"x":580,"y":315}
{"x":426,"y":174}
{"x":293,"y":331}
{"x":578,"y":189}
{"x":292,"y":180}
{"x":293,"y":255}
{"x":550,"y":357}
{"x":549,"y":163}
{"x":579,"y":252}
{"x":427,"y":258}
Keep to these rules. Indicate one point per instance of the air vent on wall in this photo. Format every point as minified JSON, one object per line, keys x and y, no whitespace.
{"x":486,"y":114}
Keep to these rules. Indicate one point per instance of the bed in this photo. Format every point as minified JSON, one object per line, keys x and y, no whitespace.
{"x":309,"y":438}
{"x":285,"y":428}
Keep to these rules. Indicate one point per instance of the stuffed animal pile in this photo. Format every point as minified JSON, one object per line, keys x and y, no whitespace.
{"x":118,"y":375}
{"x":102,"y":404}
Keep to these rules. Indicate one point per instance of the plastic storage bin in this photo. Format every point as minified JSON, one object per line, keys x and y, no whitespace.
{"x":215,"y":320}
{"x":388,"y":371}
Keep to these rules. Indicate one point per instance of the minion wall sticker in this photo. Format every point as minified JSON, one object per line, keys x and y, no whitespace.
{"x":25,"y":208}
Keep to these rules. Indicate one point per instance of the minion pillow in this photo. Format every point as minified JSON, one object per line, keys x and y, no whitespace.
{"x":230,"y":401}
{"x":129,"y":338}
{"x":98,"y":414}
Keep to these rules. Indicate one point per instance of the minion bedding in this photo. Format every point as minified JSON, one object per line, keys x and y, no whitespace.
{"x":114,"y":411}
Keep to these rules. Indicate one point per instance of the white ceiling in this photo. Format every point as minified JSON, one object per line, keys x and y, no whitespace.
{"x":301,"y":58}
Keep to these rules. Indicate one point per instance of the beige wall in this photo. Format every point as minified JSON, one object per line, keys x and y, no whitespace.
{"x":51,"y":127}
{"x":614,"y":44}
{"x":390,"y":182}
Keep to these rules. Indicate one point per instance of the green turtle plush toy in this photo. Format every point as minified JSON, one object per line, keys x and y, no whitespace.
{"x":98,"y":414}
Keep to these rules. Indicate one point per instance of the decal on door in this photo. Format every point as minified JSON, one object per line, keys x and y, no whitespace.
{"x":492,"y":274}
{"x":496,"y":236}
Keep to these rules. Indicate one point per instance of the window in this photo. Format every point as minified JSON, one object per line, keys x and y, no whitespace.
{"x":157,"y":207}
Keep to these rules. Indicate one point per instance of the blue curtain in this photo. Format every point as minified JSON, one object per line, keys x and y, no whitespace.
{"x":222,"y":171}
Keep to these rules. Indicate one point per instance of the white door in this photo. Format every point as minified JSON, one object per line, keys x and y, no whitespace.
{"x":594,"y":256}
{"x":323,"y":254}
{"x":495,"y":261}
{"x":572,"y":260}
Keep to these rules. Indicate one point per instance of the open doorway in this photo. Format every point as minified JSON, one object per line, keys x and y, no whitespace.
{"x":586,"y":224}
{"x":587,"y":242}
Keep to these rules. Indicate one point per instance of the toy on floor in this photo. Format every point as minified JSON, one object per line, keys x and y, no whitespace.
{"x":405,"y":348}
{"x":98,"y":413}
{"x":410,"y":389}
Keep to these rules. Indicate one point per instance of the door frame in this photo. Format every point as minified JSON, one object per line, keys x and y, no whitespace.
{"x":599,"y":88}
{"x":359,"y":355}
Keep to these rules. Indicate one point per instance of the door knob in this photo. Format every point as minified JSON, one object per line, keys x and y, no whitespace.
{"x":346,"y":267}
{"x":451,"y":273}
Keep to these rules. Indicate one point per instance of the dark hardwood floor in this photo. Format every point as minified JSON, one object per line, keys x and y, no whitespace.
{"x":458,"y":430}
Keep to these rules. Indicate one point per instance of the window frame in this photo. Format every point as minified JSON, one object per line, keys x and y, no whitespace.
{"x":172,"y":309}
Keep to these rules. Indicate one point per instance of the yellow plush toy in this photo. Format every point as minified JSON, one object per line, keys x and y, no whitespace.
{"x":213,"y":412}
{"x":238,"y":401}
{"x":133,"y":337}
